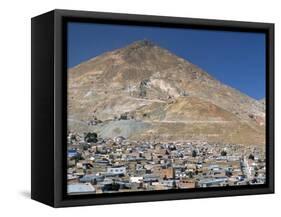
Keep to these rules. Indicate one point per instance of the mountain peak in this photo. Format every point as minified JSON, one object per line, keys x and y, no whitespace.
{"x":141,"y":44}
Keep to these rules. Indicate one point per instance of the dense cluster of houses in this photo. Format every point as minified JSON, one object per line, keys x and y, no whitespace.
{"x":97,"y":165}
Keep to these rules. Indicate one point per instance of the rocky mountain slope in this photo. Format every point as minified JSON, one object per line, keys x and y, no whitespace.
{"x":262,"y":101}
{"x":145,"y":92}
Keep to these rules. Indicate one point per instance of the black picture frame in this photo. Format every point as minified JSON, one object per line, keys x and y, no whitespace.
{"x":48,"y":148}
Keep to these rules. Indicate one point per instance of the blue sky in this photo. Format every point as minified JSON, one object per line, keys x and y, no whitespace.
{"x":234,"y":58}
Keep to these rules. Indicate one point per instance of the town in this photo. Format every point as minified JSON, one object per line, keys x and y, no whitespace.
{"x":97,"y":165}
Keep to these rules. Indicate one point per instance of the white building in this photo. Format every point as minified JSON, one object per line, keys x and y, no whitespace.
{"x":117,"y":170}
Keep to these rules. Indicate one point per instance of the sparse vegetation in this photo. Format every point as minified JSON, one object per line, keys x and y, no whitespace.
{"x":91,"y":137}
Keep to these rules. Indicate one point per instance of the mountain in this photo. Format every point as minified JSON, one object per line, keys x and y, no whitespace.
{"x":262,"y":101}
{"x":165,"y":98}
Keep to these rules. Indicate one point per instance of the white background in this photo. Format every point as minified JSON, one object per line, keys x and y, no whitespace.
{"x":15,"y":106}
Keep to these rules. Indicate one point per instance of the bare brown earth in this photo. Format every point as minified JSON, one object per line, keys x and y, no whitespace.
{"x":166,"y":97}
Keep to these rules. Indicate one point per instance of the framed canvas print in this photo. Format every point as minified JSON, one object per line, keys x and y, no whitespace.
{"x":133,"y":108}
